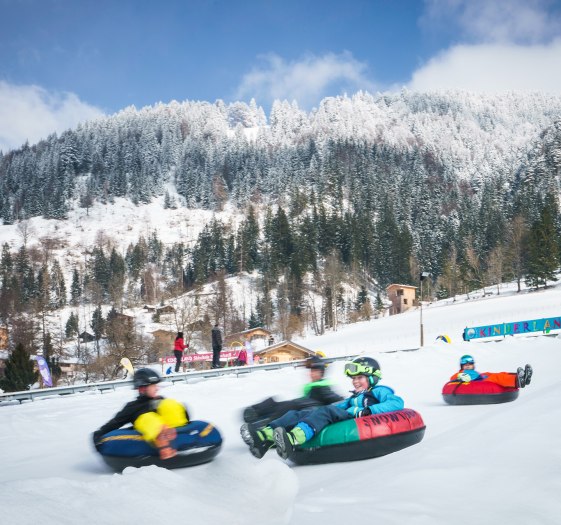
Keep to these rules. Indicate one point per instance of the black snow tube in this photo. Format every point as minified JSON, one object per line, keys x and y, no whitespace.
{"x":477,"y":393}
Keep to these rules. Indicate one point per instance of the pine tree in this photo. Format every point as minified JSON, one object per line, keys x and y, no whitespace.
{"x":98,"y":326}
{"x":75,"y":289}
{"x":19,"y":373}
{"x":253,"y":321}
{"x":543,"y":247}
{"x":71,"y":328}
{"x":362,"y":297}
{"x":58,"y":286}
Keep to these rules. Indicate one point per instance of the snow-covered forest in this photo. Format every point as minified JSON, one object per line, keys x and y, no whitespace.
{"x":435,"y":167}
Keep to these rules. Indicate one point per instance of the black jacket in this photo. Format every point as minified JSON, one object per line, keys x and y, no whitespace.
{"x":128,"y":415}
{"x":216,"y":337}
{"x":315,"y":394}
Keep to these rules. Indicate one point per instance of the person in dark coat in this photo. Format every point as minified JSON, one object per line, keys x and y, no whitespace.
{"x":155,"y":417}
{"x":216,"y":346}
{"x":316,"y":393}
{"x":179,"y":347}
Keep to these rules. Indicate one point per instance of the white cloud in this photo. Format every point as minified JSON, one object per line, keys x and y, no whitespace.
{"x":306,"y":80}
{"x":493,"y":68}
{"x":516,"y":21}
{"x":29,"y":112}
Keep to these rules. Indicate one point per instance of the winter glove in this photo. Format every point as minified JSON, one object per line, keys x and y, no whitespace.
{"x":365,"y":412}
{"x":97,"y":440}
{"x":464,"y":378}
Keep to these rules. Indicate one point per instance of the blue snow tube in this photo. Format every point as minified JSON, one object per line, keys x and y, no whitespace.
{"x":196,"y":443}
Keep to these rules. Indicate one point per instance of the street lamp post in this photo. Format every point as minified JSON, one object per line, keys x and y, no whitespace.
{"x":422,"y":277}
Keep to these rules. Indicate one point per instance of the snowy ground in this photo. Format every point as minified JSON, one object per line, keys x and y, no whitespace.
{"x":489,"y":464}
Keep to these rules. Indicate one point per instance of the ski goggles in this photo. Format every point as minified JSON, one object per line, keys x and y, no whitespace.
{"x":358,"y":369}
{"x":467,"y":361}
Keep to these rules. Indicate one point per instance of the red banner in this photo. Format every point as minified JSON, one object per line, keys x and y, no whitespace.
{"x":189,"y":358}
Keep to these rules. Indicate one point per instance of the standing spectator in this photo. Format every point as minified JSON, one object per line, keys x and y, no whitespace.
{"x":216,"y":346}
{"x":178,"y":349}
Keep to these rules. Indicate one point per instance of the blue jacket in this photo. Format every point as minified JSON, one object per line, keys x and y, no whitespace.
{"x":473,"y":374}
{"x":378,"y":399}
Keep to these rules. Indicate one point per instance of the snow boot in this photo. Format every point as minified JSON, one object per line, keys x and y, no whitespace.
{"x":163,"y":442}
{"x":287,"y":441}
{"x":528,"y":375}
{"x":250,"y":415}
{"x":256,"y":412}
{"x":258,"y":440}
{"x":520,"y":382}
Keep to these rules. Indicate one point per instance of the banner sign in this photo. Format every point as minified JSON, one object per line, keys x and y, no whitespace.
{"x":190,"y":358}
{"x":44,"y":371}
{"x":515,"y":328}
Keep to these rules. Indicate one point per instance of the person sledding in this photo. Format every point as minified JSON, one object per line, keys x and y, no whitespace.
{"x":316,"y":393}
{"x":298,"y":426}
{"x":153,"y":416}
{"x":467,"y":373}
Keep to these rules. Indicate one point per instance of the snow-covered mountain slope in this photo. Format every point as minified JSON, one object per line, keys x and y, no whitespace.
{"x":490,"y":464}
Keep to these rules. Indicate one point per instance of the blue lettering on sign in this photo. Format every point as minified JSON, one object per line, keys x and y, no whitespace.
{"x":516,"y":327}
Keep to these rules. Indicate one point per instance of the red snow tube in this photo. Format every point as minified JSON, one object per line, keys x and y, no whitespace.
{"x":362,"y":438}
{"x":477,"y":393}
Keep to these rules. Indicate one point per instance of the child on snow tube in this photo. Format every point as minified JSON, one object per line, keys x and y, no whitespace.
{"x":298,"y":426}
{"x":151,"y":415}
{"x":316,"y":393}
{"x":467,"y":373}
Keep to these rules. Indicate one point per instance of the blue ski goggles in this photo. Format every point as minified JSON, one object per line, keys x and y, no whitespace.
{"x":358,"y":369}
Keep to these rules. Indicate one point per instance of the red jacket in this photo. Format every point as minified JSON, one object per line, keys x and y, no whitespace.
{"x":179,"y":345}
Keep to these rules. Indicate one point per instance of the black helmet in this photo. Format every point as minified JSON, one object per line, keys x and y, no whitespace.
{"x":365,"y":366}
{"x":315,"y":363}
{"x":145,"y":377}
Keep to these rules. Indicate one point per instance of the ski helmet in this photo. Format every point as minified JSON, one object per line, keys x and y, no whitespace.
{"x":315,"y":363}
{"x":365,"y":366}
{"x":466,"y":360}
{"x":145,"y":377}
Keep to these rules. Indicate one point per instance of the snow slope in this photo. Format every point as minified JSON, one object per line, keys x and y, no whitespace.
{"x":489,"y":464}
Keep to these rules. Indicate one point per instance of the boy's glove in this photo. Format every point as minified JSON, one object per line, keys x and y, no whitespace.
{"x":464,"y":378}
{"x":365,"y":412}
{"x":96,"y":437}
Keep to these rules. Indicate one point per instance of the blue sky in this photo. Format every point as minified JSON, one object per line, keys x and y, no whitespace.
{"x":62,"y":61}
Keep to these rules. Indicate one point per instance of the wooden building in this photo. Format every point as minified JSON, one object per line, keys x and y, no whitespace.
{"x":402,"y":297}
{"x":166,"y":309}
{"x":283,"y":352}
{"x":258,"y":337}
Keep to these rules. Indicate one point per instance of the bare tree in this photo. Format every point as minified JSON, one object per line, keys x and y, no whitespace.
{"x":472,"y":272}
{"x":495,"y":267}
{"x":218,"y":307}
{"x":333,"y":277}
{"x":450,"y":276}
{"x":25,"y":230}
{"x":149,"y":285}
{"x":312,"y":316}
{"x":186,"y":316}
